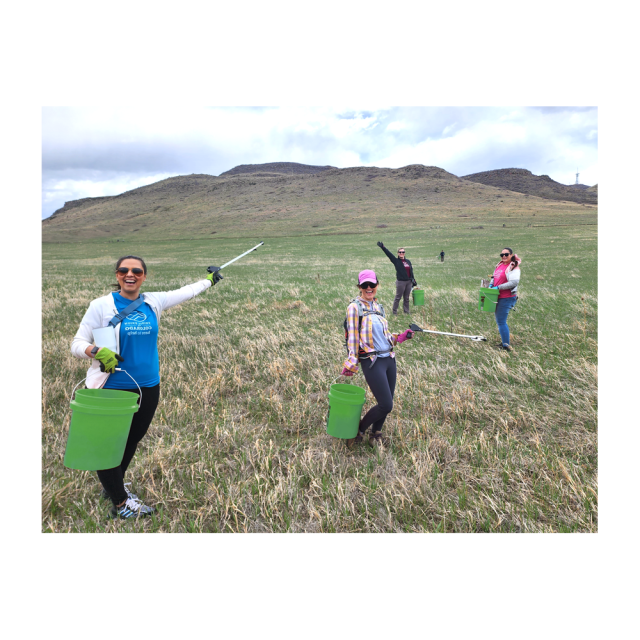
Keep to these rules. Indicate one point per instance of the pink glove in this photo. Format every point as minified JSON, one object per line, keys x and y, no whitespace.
{"x":407,"y":335}
{"x":346,"y":372}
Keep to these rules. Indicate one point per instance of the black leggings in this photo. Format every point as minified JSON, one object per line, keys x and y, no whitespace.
{"x":381,"y":379}
{"x":113,"y":479}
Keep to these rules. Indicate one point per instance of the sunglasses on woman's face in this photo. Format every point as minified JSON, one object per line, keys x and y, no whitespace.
{"x":136,"y":272}
{"x":368,"y":285}
{"x":401,"y":252}
{"x":504,"y":255}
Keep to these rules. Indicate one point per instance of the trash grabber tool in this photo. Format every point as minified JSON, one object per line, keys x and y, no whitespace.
{"x":226,"y":264}
{"x":415,"y":327}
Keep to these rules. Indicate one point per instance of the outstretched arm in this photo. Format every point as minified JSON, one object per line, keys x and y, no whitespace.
{"x":169,"y":299}
{"x":389,"y":254}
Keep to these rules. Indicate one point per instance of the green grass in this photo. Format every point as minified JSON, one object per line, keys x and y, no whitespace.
{"x":481,"y":440}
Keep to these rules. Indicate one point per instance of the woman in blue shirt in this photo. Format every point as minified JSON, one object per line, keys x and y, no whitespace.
{"x":136,"y":338}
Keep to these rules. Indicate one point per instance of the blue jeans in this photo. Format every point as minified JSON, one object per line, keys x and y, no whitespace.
{"x":502,"y":311}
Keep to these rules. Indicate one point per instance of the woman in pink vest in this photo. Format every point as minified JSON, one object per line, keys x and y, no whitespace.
{"x":506,"y":278}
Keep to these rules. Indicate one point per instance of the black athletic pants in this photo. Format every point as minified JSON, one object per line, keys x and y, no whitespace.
{"x":381,"y":379}
{"x":113,"y":479}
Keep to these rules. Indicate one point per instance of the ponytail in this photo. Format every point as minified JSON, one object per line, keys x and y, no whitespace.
{"x":515,"y":261}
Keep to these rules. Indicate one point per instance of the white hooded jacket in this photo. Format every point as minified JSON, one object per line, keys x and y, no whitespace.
{"x":101,"y":310}
{"x":512,"y":274}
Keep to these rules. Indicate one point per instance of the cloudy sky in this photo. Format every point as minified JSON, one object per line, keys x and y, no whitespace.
{"x":88,"y":152}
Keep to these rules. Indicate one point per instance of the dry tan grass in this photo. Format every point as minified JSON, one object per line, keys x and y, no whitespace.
{"x":480,"y":440}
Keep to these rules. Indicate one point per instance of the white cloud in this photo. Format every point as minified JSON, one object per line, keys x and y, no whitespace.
{"x":512,"y":115}
{"x":544,"y":145}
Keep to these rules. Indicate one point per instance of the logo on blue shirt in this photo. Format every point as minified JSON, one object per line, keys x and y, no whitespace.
{"x":137,"y":316}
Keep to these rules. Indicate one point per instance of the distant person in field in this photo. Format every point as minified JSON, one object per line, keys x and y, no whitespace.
{"x":405,"y":280}
{"x":442,"y":256}
{"x":136,"y":339}
{"x":369,"y":341}
{"x":506,"y":277}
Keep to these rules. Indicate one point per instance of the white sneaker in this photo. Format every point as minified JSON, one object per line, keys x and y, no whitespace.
{"x":132,"y":508}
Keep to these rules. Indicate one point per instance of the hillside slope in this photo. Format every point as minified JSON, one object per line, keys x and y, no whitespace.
{"x":523,"y":181}
{"x":332,"y":201}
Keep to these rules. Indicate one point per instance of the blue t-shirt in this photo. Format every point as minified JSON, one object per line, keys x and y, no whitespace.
{"x":138,"y":347}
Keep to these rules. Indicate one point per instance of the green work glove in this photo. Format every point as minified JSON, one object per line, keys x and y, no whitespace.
{"x":214,"y":275}
{"x":108,"y":359}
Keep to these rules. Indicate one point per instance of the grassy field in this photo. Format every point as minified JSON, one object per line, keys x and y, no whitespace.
{"x":481,"y":440}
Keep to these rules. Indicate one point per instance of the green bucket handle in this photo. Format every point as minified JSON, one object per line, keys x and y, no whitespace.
{"x":124,"y":370}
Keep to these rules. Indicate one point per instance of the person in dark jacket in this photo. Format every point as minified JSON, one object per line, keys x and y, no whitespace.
{"x":442,"y":256}
{"x":405,"y":280}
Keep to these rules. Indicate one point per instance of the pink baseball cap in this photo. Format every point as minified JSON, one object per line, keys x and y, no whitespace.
{"x":367,"y":276}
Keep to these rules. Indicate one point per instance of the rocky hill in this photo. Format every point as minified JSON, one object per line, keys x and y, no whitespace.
{"x":289,"y":168}
{"x":523,"y":181}
{"x":330,"y":201}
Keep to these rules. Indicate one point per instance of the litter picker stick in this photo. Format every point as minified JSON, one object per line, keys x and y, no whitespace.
{"x":226,"y":264}
{"x":415,"y":327}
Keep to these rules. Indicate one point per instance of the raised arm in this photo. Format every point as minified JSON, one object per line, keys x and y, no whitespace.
{"x":389,"y":254}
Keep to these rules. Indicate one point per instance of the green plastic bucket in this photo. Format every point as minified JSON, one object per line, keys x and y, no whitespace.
{"x":345,"y":406}
{"x":488,"y":299}
{"x":418,"y":297}
{"x":99,"y":428}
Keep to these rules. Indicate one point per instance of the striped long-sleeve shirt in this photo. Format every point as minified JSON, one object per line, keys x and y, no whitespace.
{"x":363,"y":338}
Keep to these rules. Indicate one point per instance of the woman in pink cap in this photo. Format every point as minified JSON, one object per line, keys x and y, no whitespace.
{"x":369,"y":341}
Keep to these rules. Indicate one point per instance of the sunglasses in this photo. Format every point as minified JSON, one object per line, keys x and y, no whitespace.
{"x":401,"y":251}
{"x":368,"y":285}
{"x":136,"y":272}
{"x":504,"y":255}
